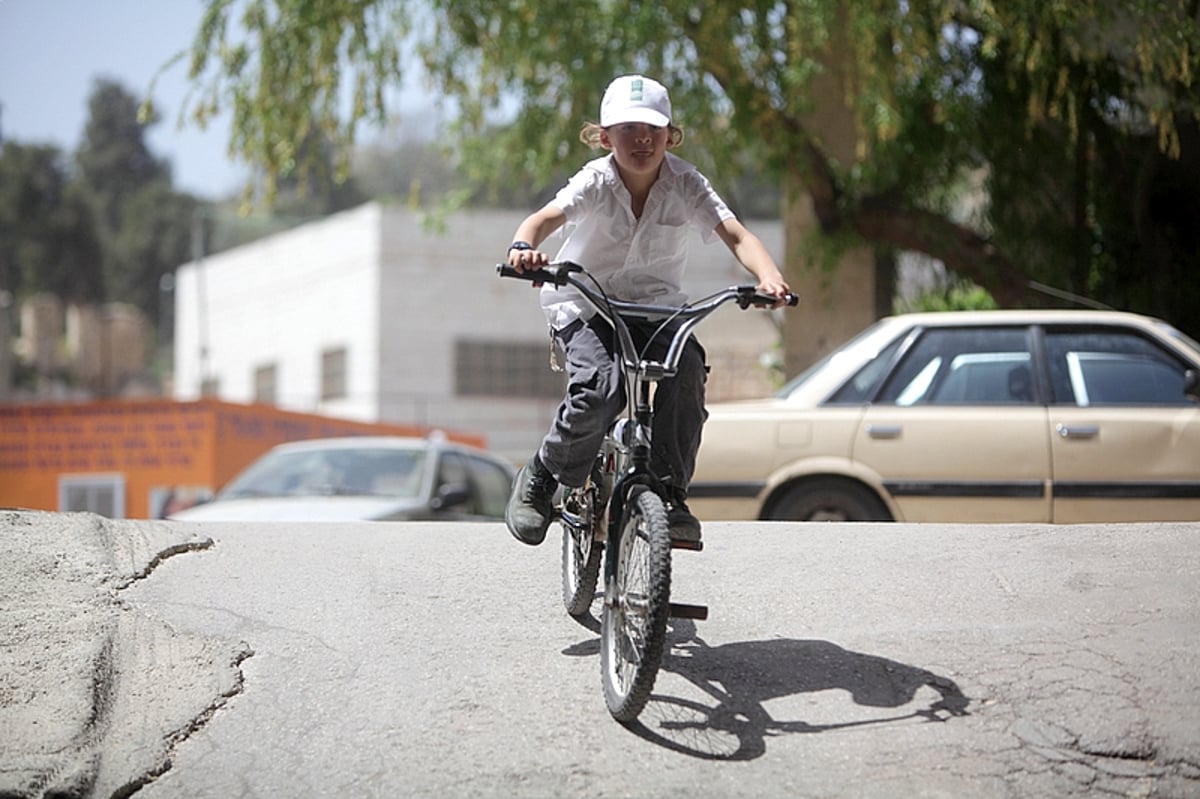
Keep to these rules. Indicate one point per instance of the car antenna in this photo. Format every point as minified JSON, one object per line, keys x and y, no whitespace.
{"x":1069,"y":296}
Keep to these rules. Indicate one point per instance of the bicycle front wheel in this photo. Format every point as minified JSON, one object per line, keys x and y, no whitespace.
{"x":580,"y":549}
{"x":633,"y":626}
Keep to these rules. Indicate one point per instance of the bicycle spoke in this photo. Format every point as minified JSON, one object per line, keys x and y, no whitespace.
{"x":581,"y":551}
{"x":634,"y":621}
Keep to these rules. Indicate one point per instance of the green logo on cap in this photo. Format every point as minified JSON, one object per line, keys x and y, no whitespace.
{"x":635,"y":91}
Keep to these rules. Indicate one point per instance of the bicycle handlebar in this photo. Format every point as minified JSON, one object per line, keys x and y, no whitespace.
{"x":560,"y":274}
{"x":564,"y":273}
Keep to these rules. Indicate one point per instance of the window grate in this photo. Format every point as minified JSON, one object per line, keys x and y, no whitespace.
{"x":505,"y":369}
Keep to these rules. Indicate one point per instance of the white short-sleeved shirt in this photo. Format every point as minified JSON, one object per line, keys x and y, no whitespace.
{"x":637,"y":260}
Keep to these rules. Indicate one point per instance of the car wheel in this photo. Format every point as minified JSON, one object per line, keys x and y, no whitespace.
{"x":828,"y":500}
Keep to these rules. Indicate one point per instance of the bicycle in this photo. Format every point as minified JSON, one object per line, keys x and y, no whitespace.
{"x":622,"y":508}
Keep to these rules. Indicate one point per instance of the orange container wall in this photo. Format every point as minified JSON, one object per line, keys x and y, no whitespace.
{"x":169,"y":454}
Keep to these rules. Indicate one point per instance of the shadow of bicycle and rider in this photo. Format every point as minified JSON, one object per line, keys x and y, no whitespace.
{"x":735,"y":681}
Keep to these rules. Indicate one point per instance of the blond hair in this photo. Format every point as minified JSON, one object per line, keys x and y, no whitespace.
{"x":590,"y":135}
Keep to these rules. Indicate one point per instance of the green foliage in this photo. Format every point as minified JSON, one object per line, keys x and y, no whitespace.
{"x":142,"y":222}
{"x":106,"y":226}
{"x":286,"y":79}
{"x":876,"y":110}
{"x":961,"y":295}
{"x":1094,"y":171}
{"x":48,"y":240}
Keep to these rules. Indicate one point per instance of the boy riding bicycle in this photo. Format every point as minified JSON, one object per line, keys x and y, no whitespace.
{"x":627,"y":215}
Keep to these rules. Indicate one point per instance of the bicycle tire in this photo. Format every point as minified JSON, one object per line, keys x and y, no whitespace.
{"x":633,"y":624}
{"x":581,"y":552}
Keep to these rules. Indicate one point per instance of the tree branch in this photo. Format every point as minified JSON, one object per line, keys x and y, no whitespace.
{"x":807,"y":162}
{"x":879,"y":220}
{"x":961,"y":249}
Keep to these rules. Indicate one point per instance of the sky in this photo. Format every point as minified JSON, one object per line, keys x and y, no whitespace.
{"x":51,"y":52}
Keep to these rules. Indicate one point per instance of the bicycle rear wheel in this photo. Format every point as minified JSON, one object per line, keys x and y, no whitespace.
{"x":633,"y":626}
{"x":581,"y":512}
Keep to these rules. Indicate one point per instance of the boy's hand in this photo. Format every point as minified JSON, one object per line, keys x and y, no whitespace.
{"x":777,"y":287}
{"x":527,"y":260}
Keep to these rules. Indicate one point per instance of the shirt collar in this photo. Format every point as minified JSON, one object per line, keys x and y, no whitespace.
{"x":672,"y":166}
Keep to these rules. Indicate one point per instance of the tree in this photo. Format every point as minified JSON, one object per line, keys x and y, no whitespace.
{"x":1041,"y":98}
{"x":318,"y":186}
{"x":48,"y":238}
{"x":1096,"y":197}
{"x":144,"y":224}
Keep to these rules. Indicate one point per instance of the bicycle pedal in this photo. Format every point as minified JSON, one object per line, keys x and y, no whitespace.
{"x":682,"y":611}
{"x":694,"y":546}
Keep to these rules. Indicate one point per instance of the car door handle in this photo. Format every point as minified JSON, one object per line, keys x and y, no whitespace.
{"x":884,"y":431}
{"x":1077,"y":431}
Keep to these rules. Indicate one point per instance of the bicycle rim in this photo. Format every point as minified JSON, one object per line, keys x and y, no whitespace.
{"x":580,"y":551}
{"x":633,"y":626}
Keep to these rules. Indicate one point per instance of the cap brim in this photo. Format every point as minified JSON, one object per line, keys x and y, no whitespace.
{"x":647,"y":115}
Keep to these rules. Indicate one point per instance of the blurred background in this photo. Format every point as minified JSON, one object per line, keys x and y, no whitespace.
{"x":267,"y":203}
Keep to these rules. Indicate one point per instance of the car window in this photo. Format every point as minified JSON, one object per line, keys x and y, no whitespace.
{"x":1112,"y":367}
{"x":453,"y":473}
{"x":386,"y":472}
{"x":493,"y":484}
{"x":487,"y":483}
{"x":964,"y":366}
{"x":323,"y":472}
{"x":863,"y":385}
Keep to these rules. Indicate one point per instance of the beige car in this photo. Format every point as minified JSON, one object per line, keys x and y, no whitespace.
{"x":985,"y":416}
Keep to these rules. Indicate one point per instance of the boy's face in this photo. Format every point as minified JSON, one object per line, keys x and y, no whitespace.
{"x":638,"y":147}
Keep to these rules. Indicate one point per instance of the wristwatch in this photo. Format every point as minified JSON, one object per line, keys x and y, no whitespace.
{"x":520,"y":245}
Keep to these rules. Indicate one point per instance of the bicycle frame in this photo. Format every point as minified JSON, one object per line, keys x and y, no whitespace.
{"x":631,"y":434}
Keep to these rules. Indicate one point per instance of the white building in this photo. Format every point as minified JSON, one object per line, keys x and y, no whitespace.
{"x":372,"y":315}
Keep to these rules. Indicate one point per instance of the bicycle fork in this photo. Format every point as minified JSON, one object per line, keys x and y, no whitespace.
{"x":632,"y":437}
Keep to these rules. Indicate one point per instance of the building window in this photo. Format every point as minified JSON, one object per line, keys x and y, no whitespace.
{"x":506,"y":369}
{"x":333,"y":374}
{"x":99,"y":493}
{"x":264,"y":384}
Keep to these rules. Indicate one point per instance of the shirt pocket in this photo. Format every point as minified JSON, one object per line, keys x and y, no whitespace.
{"x":668,"y":244}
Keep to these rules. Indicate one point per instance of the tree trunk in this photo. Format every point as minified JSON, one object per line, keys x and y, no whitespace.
{"x":835,"y":302}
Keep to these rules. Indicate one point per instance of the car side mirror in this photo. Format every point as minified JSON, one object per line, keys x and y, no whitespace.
{"x":1191,"y":385}
{"x":450,"y":496}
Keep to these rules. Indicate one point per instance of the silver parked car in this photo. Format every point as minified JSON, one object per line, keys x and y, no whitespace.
{"x":364,"y":478}
{"x":987,"y":416}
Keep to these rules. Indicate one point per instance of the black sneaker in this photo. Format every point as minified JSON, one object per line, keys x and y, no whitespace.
{"x":531,"y":503}
{"x":684,"y":525}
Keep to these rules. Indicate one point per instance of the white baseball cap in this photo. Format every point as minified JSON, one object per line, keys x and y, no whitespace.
{"x":635,"y":98}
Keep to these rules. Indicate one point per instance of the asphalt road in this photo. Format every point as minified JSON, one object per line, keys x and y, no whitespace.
{"x":397,"y":660}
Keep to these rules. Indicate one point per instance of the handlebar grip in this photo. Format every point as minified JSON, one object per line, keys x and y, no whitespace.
{"x":769,"y":300}
{"x":534,"y":276}
{"x":555,"y":273}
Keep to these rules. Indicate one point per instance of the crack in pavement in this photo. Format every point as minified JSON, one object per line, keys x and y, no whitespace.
{"x":1094,"y":735}
{"x":94,"y":695}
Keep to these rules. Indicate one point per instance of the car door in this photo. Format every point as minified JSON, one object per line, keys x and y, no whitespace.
{"x":958,"y":432}
{"x":1126,"y":439}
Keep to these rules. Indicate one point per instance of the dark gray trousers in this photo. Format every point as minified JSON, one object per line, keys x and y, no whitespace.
{"x":596,"y":397}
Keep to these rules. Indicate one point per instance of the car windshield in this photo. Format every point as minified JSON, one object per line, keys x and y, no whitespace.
{"x":792,"y":385}
{"x":325,"y":472}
